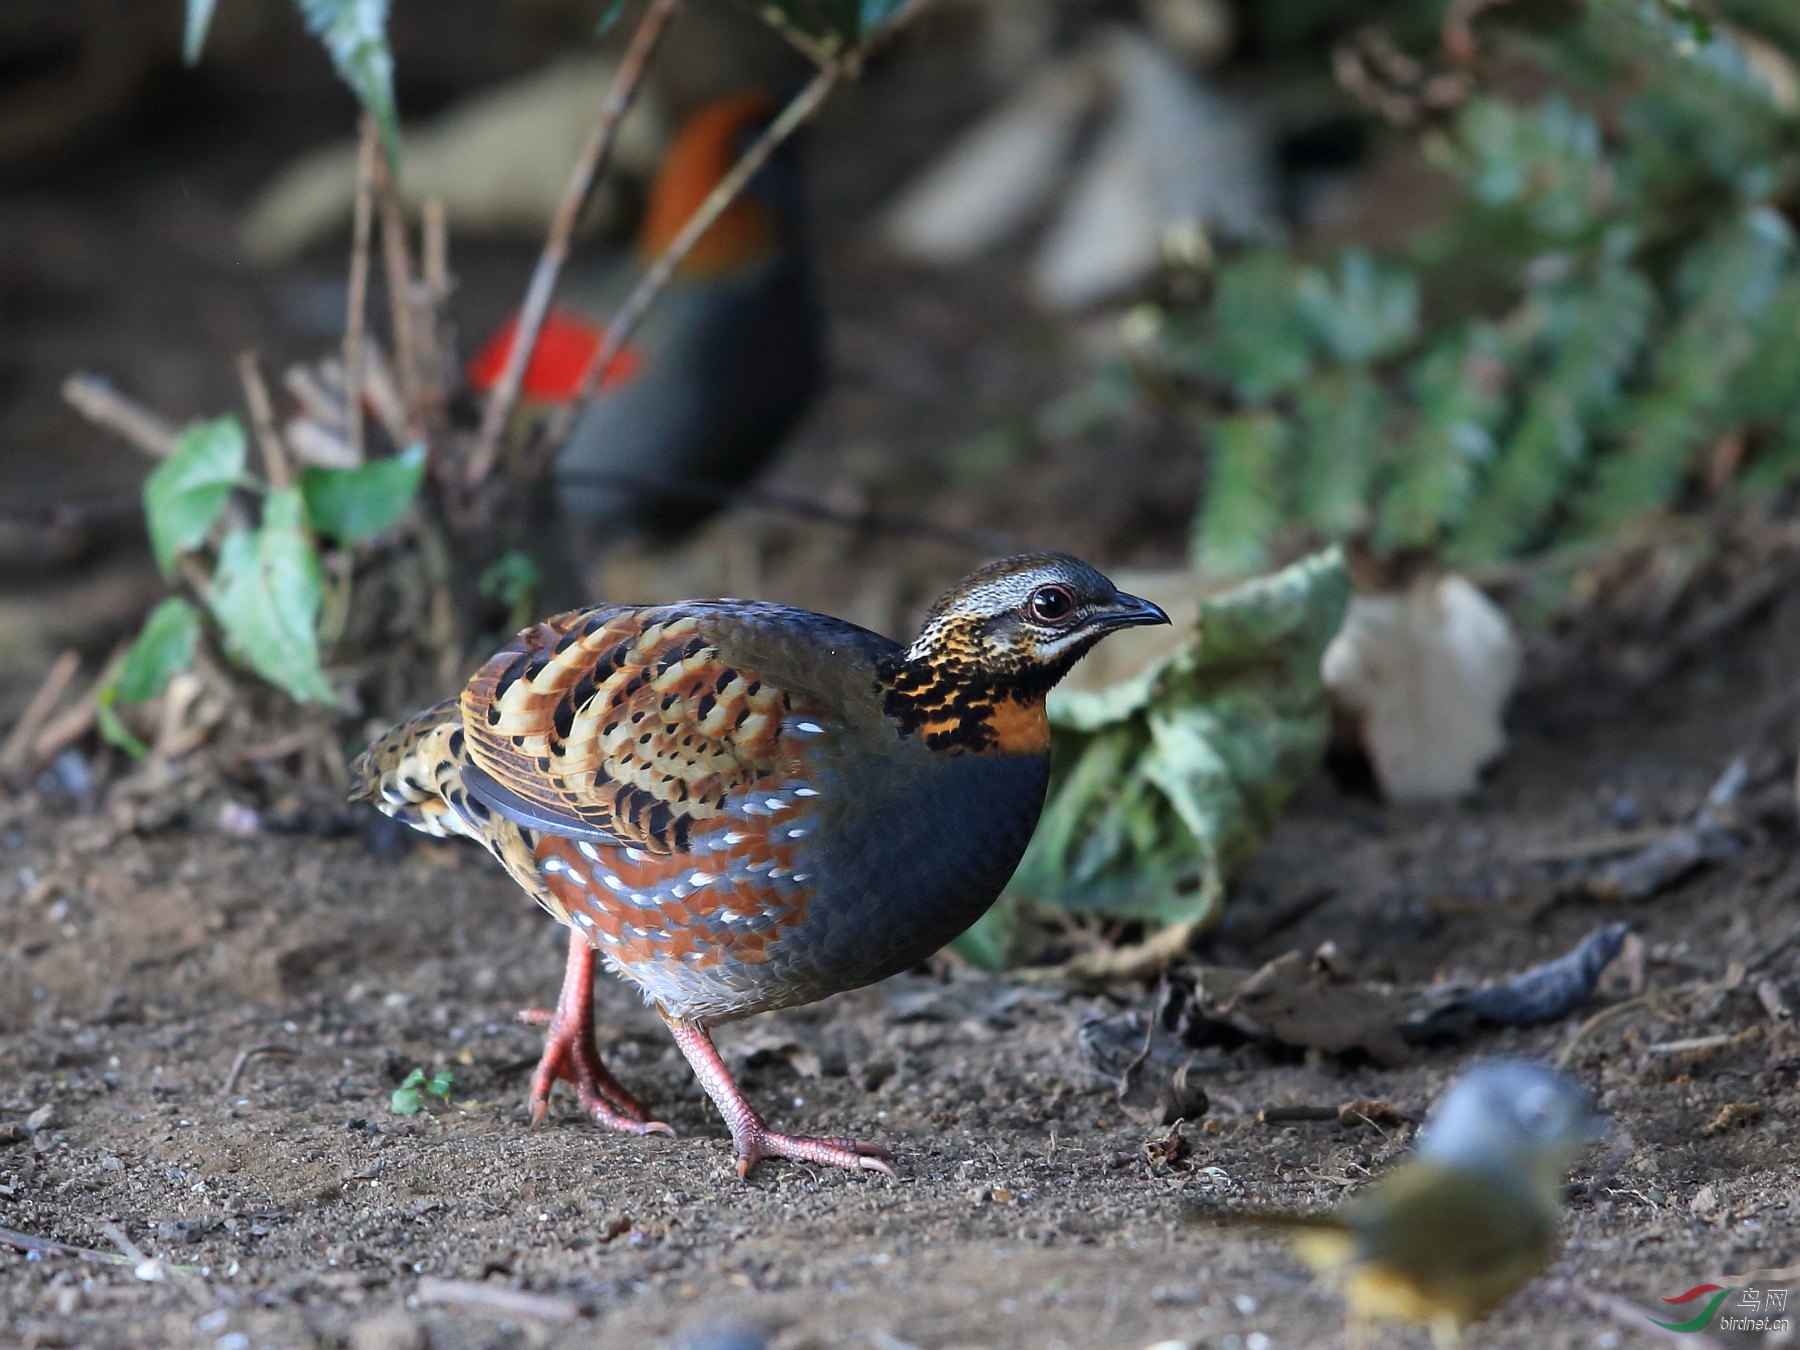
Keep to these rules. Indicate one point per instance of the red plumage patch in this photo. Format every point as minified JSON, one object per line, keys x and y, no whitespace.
{"x":565,"y":346}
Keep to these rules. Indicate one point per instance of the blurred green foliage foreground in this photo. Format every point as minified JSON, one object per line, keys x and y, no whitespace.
{"x":1602,"y":326}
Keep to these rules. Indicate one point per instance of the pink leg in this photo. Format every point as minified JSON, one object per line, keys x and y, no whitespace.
{"x":571,"y":1055}
{"x":754,"y":1139}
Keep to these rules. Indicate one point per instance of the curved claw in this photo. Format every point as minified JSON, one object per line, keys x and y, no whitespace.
{"x":853,"y":1155}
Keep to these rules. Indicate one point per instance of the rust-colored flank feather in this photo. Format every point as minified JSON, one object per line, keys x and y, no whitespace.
{"x":741,"y":806}
{"x":709,"y":144}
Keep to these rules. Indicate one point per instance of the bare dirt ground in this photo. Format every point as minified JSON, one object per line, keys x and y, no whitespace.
{"x":135,"y":969}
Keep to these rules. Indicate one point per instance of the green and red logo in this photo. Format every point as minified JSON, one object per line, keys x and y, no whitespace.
{"x":1756,"y":1307}
{"x":1719,"y":1292}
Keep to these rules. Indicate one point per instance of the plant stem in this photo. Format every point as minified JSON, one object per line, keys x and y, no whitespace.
{"x":262,"y":419}
{"x":651,"y":284}
{"x":95,"y":399}
{"x":396,"y":260}
{"x":556,"y":244}
{"x":361,"y":230}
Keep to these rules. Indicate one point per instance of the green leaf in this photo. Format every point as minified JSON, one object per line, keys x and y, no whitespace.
{"x":1243,"y":503}
{"x":1342,"y":416}
{"x":513,"y":580}
{"x":1545,"y":162}
{"x":164,"y":648}
{"x":406,"y":1099}
{"x":351,"y":505}
{"x":1259,"y":340}
{"x":112,"y":729}
{"x":1458,"y":392}
{"x":1163,"y":789}
{"x":199,"y":19}
{"x":1366,"y":313}
{"x":1726,"y":283}
{"x":609,"y":18}
{"x":1594,"y":332}
{"x":184,"y":495}
{"x":354,"y":33}
{"x":266,"y":596}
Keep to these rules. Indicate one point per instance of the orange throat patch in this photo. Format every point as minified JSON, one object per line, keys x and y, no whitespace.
{"x":1020,"y":728}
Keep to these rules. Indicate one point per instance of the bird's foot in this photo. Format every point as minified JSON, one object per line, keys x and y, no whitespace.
{"x":756,"y":1142}
{"x":571,"y":1057}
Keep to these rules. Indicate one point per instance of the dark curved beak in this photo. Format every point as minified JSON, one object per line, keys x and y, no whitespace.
{"x":1127,"y":611}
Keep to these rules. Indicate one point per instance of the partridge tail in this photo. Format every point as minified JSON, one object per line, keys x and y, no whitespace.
{"x":414,"y":773}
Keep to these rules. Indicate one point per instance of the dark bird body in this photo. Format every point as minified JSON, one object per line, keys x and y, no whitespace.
{"x":743,"y":806}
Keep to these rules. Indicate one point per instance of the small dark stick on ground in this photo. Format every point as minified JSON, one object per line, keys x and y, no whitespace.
{"x":493,"y":1298}
{"x":247,"y":1054}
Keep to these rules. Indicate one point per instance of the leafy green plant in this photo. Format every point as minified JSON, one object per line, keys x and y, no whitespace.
{"x":1607,"y":301}
{"x":252,"y":554}
{"x":409,"y":1097}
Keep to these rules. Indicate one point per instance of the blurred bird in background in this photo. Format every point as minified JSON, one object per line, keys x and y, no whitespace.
{"x":1449,"y":1236}
{"x":723,"y":366}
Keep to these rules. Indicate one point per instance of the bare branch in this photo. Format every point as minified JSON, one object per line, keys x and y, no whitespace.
{"x":556,"y":244}
{"x":15,"y":753}
{"x":262,"y":418}
{"x":368,"y":154}
{"x":95,"y":399}
{"x":651,"y":284}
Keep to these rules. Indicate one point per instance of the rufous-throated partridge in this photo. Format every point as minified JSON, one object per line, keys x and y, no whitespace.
{"x":742,"y":806}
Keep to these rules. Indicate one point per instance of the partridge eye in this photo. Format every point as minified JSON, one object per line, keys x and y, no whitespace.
{"x":1051,"y":604}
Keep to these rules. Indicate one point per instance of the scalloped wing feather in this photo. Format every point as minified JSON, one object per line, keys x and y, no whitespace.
{"x":630,"y":725}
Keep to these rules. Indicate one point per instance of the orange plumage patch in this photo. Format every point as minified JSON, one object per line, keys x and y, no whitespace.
{"x":709,"y":144}
{"x":565,"y":346}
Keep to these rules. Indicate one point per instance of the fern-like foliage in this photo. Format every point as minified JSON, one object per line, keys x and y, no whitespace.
{"x":1616,"y":294}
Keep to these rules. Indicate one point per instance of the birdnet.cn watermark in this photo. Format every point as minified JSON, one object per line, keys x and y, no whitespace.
{"x":1724,"y":1307}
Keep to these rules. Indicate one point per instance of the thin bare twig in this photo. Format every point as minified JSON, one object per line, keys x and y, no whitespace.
{"x":27,"y":1242}
{"x":368,"y":154}
{"x":657,"y":277}
{"x":262,"y":419}
{"x":556,"y":244}
{"x":396,"y":259}
{"x":497,"y":1298}
{"x":867,"y":520}
{"x":436,"y":248}
{"x":95,"y":399}
{"x":16,"y":751}
{"x":248,"y":1053}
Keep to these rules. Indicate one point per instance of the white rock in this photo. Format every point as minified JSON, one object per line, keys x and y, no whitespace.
{"x":998,"y":175}
{"x":1174,"y":153}
{"x":1427,"y":673}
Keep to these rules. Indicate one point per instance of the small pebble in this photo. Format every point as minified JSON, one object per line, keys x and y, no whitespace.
{"x":44,"y":1118}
